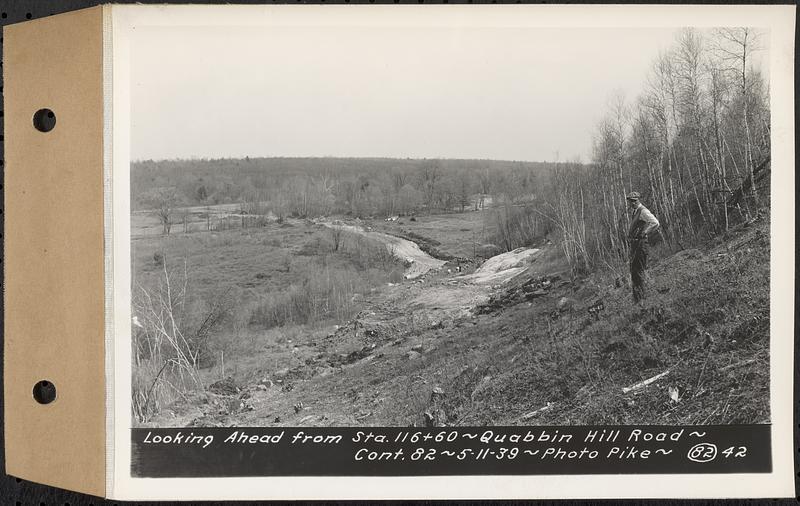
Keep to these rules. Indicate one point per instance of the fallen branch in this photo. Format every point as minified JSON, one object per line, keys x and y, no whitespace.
{"x":737,"y":364}
{"x":644,"y":383}
{"x":535,"y":412}
{"x":363,"y":416}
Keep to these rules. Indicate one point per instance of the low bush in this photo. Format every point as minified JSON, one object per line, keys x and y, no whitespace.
{"x":517,"y":226}
{"x":275,"y":242}
{"x":317,"y":245}
{"x":366,"y":253}
{"x":173,"y":335}
{"x":323,"y":294}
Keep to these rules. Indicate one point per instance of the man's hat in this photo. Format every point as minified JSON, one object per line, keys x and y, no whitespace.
{"x":633,"y":196}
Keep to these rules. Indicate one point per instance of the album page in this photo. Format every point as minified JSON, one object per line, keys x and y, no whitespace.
{"x":409,"y":252}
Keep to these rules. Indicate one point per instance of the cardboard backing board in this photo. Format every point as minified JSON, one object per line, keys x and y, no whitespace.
{"x":57,"y":296}
{"x":54,"y":251}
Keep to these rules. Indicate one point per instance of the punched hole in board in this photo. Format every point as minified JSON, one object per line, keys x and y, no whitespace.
{"x":44,"y":120}
{"x":44,"y":392}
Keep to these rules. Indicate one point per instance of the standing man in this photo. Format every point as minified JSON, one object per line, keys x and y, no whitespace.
{"x":642,"y":223}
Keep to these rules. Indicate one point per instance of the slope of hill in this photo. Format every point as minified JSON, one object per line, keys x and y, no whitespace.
{"x":443,"y":350}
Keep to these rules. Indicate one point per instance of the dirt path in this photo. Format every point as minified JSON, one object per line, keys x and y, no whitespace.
{"x":419,"y":262}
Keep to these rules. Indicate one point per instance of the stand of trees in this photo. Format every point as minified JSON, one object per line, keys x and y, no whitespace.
{"x":307,"y":187}
{"x":695,"y":143}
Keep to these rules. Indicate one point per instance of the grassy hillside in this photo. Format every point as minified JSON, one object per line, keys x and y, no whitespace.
{"x":705,"y":323}
{"x":441,"y":350}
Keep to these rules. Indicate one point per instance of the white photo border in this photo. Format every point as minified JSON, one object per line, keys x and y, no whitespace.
{"x":779,"y":483}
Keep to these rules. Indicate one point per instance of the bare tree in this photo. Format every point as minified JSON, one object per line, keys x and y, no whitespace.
{"x":409,"y":198}
{"x":734,"y":48}
{"x":164,"y":358}
{"x":463,"y":189}
{"x":336,"y":234}
{"x":682,"y":144}
{"x":163,"y":202}
{"x":429,"y":175}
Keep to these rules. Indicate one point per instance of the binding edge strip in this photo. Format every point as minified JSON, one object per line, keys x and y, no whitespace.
{"x":108,"y":244}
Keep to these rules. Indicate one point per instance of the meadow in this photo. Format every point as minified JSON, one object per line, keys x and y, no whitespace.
{"x":214,"y":298}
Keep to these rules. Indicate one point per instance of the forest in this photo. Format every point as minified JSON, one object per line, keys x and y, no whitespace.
{"x":695,"y":143}
{"x":307,"y":187}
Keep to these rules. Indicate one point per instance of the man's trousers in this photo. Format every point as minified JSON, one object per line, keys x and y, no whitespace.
{"x":639,"y":250}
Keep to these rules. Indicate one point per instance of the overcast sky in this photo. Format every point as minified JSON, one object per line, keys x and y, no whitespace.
{"x":500,"y":93}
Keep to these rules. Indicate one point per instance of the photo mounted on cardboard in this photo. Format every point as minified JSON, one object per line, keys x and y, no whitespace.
{"x":447,"y":252}
{"x":414,"y":245}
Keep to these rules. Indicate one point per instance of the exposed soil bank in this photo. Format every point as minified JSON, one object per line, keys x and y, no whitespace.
{"x":418,"y":262}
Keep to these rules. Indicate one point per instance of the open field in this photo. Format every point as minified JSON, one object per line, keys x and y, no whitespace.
{"x":195,"y":219}
{"x":257,"y":259}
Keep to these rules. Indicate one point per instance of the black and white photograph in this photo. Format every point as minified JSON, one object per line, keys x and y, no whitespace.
{"x":417,"y":252}
{"x":450,"y":226}
{"x":401,"y":252}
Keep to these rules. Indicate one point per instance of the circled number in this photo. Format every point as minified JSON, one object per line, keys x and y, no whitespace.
{"x":703,"y":452}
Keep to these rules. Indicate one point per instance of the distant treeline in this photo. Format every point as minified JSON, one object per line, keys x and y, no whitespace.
{"x":320,"y":186}
{"x":695,"y":143}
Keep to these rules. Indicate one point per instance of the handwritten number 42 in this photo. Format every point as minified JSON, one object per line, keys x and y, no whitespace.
{"x":733,"y":451}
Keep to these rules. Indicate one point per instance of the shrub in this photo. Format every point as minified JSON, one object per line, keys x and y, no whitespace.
{"x":164,"y":363}
{"x":275,"y":242}
{"x":323,"y":294}
{"x":517,"y":226}
{"x":366,"y":253}
{"x":172,"y":339}
{"x":317,"y":245}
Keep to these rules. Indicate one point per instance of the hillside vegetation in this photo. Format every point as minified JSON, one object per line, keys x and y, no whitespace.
{"x":443,"y":350}
{"x":353,"y":291}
